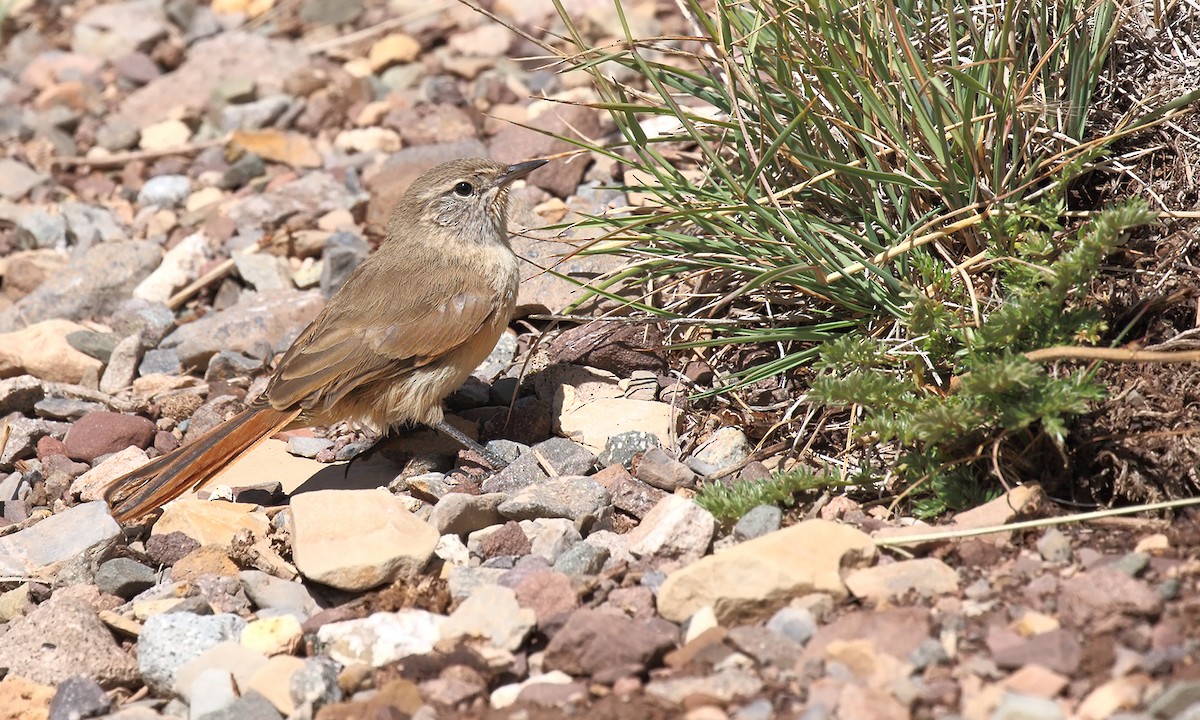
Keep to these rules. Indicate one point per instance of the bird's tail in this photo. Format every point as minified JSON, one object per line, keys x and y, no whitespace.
{"x":167,"y":477}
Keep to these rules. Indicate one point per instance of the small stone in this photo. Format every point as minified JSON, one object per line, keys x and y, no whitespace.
{"x":659,"y":469}
{"x":170,"y":640}
{"x":342,"y":254}
{"x":754,"y":578}
{"x":1054,"y":546}
{"x":581,"y":559}
{"x":23,"y":698}
{"x":507,"y":540}
{"x":94,"y":344}
{"x":493,"y":614}
{"x":39,"y":551}
{"x":124,"y":577}
{"x":726,"y":448}
{"x":17,"y":179}
{"x":549,"y":594}
{"x":675,"y":528}
{"x":607,"y":646}
{"x":759,"y":521}
{"x":117,"y":134}
{"x":254,"y":115}
{"x":78,"y":697}
{"x":271,"y":593}
{"x":204,"y":560}
{"x":101,"y":433}
{"x":550,"y":537}
{"x":160,"y":362}
{"x":250,"y":706}
{"x":42,"y":350}
{"x":165,"y":191}
{"x":568,"y":497}
{"x":462,"y":514}
{"x":211,"y":691}
{"x":1022,"y":707}
{"x":1057,"y":650}
{"x":307,"y":447}
{"x":91,"y":485}
{"x":165,"y":135}
{"x":63,"y":638}
{"x":243,"y":170}
{"x":384,"y":542}
{"x":263,"y":271}
{"x":236,"y":662}
{"x":270,"y":319}
{"x":621,"y":448}
{"x":795,"y":623}
{"x":20,"y":394}
{"x":520,"y":473}
{"x":381,"y":638}
{"x":629,"y":495}
{"x":210,"y":523}
{"x":565,"y":456}
{"x":391,"y":50}
{"x":926,"y":577}
{"x":274,"y":682}
{"x":272,"y":635}
{"x":316,"y":684}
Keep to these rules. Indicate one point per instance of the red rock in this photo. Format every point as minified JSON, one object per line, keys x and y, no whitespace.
{"x":629,"y":495}
{"x":1057,"y":650}
{"x":1104,"y":593}
{"x":509,"y":540}
{"x":607,"y":646}
{"x":100,"y":433}
{"x":48,"y":446}
{"x":896,"y":631}
{"x":549,"y":594}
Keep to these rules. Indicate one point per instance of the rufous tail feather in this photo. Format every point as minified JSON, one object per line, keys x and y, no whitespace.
{"x":165,"y":478}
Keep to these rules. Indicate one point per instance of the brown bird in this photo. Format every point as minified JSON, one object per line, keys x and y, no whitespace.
{"x":406,"y":329}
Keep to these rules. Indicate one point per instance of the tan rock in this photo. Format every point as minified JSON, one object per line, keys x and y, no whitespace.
{"x":42,"y":350}
{"x":358,"y":539}
{"x":22,"y":699}
{"x":927,"y":577}
{"x":274,"y":682}
{"x":211,"y":523}
{"x":594,"y":423}
{"x":204,"y":560}
{"x":25,"y":270}
{"x":278,"y":635}
{"x":676,"y":528}
{"x":1036,"y":681}
{"x":165,"y":135}
{"x":393,"y":49}
{"x":757,"y":577}
{"x":284,"y":147}
{"x":92,"y":484}
{"x":1123,"y":693}
{"x":1021,"y":500}
{"x":1035,"y":623}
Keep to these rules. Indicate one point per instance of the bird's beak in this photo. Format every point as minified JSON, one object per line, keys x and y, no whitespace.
{"x":520,"y":170}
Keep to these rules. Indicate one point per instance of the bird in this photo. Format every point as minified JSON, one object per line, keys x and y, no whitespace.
{"x":404,"y":331}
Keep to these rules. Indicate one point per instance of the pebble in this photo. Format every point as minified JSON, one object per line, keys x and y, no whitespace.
{"x":620,"y":449}
{"x":549,"y":538}
{"x":160,"y":362}
{"x":63,"y":638}
{"x":17,"y":179}
{"x":165,"y":191}
{"x":381,"y":638}
{"x":101,"y":433}
{"x":385,"y":541}
{"x":42,"y":350}
{"x":208,"y":523}
{"x":675,"y":528}
{"x":79,"y":697}
{"x":250,"y":706}
{"x":65,"y":408}
{"x":343,"y":253}
{"x":40,"y":550}
{"x":629,"y":495}
{"x":795,"y":623}
{"x":757,"y":522}
{"x":20,"y":394}
{"x":462,"y":514}
{"x":1023,"y":707}
{"x":307,"y":447}
{"x":92,"y":484}
{"x":262,"y":271}
{"x":211,"y":691}
{"x":254,"y":115}
{"x":726,"y":448}
{"x":316,"y":684}
{"x":179,"y":266}
{"x":272,"y":593}
{"x":170,"y":640}
{"x":226,"y":658}
{"x":573,"y":498}
{"x":124,"y":577}
{"x":581,"y":559}
{"x":926,"y":577}
{"x":270,"y":319}
{"x":164,"y":135}
{"x":518,"y":474}
{"x":661,"y":470}
{"x":607,"y":646}
{"x":725,"y":686}
{"x":276,"y":635}
{"x":493,"y":614}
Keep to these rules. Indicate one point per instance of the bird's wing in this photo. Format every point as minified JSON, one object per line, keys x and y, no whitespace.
{"x":385,"y":333}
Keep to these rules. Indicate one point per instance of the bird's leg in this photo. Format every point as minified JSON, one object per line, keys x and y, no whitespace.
{"x":450,"y":431}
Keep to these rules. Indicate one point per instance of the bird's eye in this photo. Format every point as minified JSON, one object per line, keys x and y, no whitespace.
{"x":464,"y":189}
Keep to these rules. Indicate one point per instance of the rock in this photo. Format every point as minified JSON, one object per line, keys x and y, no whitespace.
{"x":385,"y":541}
{"x":520,"y":473}
{"x":211,"y":691}
{"x":263,"y":272}
{"x":78,"y":697}
{"x":149,"y":321}
{"x":274,"y":682}
{"x":164,"y":135}
{"x":93,"y":285}
{"x":759,"y":521}
{"x":243,"y":170}
{"x":794,"y":623}
{"x":515,"y":144}
{"x":506,"y":695}
{"x":271,"y":320}
{"x":115,"y":29}
{"x":65,"y":409}
{"x":1022,"y":707}
{"x":565,"y":456}
{"x":926,"y":577}
{"x":573,"y":498}
{"x":607,"y":646}
{"x":209,"y":63}
{"x":84,"y":532}
{"x":629,"y":495}
{"x":117,"y":134}
{"x":618,"y":348}
{"x":316,"y":683}
{"x":91,"y":485}
{"x":548,"y":594}
{"x":593,"y":424}
{"x":724,"y":686}
{"x":250,"y":706}
{"x":42,"y":350}
{"x":165,"y":191}
{"x":330,"y":12}
{"x":170,"y":640}
{"x":63,"y":638}
{"x":23,"y":699}
{"x":19,"y":394}
{"x":101,"y":433}
{"x":24,"y":434}
{"x":342,"y":254}
{"x":660,"y":469}
{"x":253,"y":115}
{"x":272,"y":593}
{"x":17,"y":179}
{"x":1054,"y":546}
{"x":581,"y":559}
{"x":209,"y":523}
{"x":1105,"y":593}
{"x":272,"y":635}
{"x":461,"y":514}
{"x":381,"y":638}
{"x":493,"y":614}
{"x":124,"y":577}
{"x":508,"y":540}
{"x":675,"y":528}
{"x":237,"y":663}
{"x":726,"y":448}
{"x":160,"y":362}
{"x":204,"y":560}
{"x":622,"y":448}
{"x":756,"y":577}
{"x":25,"y":270}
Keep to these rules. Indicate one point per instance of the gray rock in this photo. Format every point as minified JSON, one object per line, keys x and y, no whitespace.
{"x":565,"y":456}
{"x":518,"y":474}
{"x":150,"y":321}
{"x":263,"y":271}
{"x":570,"y":497}
{"x":112,"y":30}
{"x":124,"y":577}
{"x":165,"y":191}
{"x":269,"y":592}
{"x":160,"y":362}
{"x":342,"y":254}
{"x":117,"y":134}
{"x":330,"y":12}
{"x":727,"y":447}
{"x":79,"y":697}
{"x":381,"y":638}
{"x":92,"y":285}
{"x":39,"y":228}
{"x":308,"y":447}
{"x":242,"y":171}
{"x":316,"y":193}
{"x":211,"y":691}
{"x":1054,"y":546}
{"x":499,"y":359}
{"x":622,"y":447}
{"x":1025,"y":707}
{"x":760,"y":709}
{"x":581,"y":559}
{"x":461,"y":514}
{"x":23,"y":434}
{"x":254,"y":115}
{"x":1132,"y":564}
{"x":262,"y":320}
{"x":88,"y":224}
{"x":19,"y":394}
{"x":122,"y":366}
{"x":38,"y":551}
{"x":758,"y":522}
{"x":17,"y":179}
{"x":93,"y":344}
{"x":63,"y":638}
{"x":463,"y":581}
{"x":227,"y":365}
{"x":317,"y":683}
{"x":506,"y":450}
{"x":170,"y":640}
{"x":794,"y":623}
{"x":550,"y":538}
